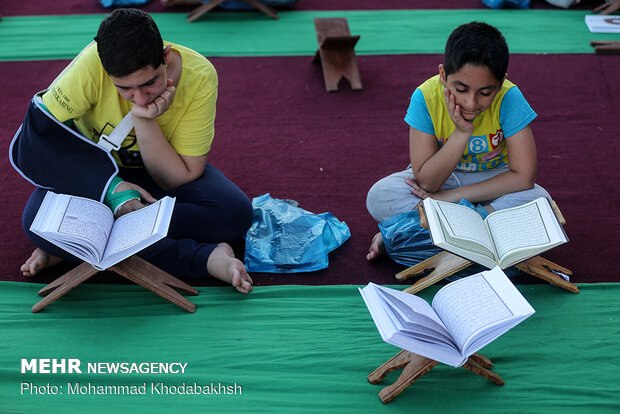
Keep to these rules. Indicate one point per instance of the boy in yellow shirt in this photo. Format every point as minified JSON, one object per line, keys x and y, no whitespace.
{"x":170,"y":92}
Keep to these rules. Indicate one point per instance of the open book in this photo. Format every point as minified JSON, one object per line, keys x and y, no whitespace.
{"x":87,"y":229}
{"x":465,"y":316}
{"x":503,"y":238}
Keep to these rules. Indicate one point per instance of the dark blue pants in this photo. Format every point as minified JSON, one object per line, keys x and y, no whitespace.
{"x":208,"y":211}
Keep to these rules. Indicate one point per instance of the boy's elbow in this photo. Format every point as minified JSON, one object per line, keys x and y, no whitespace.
{"x":429,"y":187}
{"x":527,"y":181}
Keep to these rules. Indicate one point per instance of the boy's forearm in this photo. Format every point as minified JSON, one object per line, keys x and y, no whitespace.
{"x":163,"y":163}
{"x":434,"y":172}
{"x":502,"y":184}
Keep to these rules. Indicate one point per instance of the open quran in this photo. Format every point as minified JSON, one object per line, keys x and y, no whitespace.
{"x":464,"y":316}
{"x":503,"y":238}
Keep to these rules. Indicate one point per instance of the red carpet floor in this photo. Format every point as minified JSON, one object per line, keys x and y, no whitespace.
{"x":278,"y":131}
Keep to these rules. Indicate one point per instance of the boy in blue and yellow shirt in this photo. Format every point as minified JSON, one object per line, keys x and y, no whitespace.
{"x":469,"y":134}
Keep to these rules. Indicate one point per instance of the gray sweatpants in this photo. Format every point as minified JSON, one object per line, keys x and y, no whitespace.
{"x":392,"y":195}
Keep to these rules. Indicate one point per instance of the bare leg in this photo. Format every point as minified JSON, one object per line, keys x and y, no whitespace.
{"x":377,"y":247}
{"x":223,"y":265}
{"x":38,"y":261}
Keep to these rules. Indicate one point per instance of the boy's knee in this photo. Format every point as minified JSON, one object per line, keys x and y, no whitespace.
{"x":373,"y":203}
{"x":238,"y":215}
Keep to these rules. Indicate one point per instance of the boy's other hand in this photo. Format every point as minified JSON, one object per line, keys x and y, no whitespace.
{"x":454,"y":111}
{"x":133,"y":205}
{"x":158,"y":106}
{"x":442,"y":195}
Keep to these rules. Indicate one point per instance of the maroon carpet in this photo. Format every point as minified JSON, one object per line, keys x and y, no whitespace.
{"x":25,"y":8}
{"x":278,"y":131}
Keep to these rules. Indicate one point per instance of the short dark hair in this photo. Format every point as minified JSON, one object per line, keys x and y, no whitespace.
{"x":129,"y":40}
{"x":477,"y":44}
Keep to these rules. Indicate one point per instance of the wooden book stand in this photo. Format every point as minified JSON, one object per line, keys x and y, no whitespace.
{"x":445,"y":264}
{"x":608,"y":7}
{"x":606,"y":46}
{"x":415,"y":366}
{"x":336,"y":53}
{"x":212,"y":4}
{"x":133,"y":268}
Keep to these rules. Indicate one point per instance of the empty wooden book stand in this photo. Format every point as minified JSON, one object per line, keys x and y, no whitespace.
{"x":445,"y":264}
{"x":133,"y":268}
{"x":212,"y":4}
{"x":336,"y":53}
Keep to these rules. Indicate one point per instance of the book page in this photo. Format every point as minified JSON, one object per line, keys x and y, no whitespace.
{"x":468,"y":305}
{"x":87,"y":219}
{"x":464,"y":223}
{"x":414,"y":316}
{"x":132,"y":228}
{"x":516,"y":228}
{"x":409,"y":322}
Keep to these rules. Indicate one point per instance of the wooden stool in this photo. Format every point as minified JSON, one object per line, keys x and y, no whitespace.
{"x":336,"y":53}
{"x":445,"y":264}
{"x":212,"y":4}
{"x":415,"y":366}
{"x":133,"y":268}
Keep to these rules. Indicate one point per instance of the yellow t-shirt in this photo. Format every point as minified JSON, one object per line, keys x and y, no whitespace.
{"x":509,"y":113}
{"x":84,"y":92}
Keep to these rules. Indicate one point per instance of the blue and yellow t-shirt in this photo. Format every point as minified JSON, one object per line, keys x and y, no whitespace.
{"x":85,"y":93}
{"x":508,"y":114}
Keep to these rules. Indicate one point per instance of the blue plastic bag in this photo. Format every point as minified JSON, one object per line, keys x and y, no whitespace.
{"x":241,"y":5}
{"x":288,"y":239}
{"x":500,"y":4}
{"x":408,"y":243}
{"x":122,"y":3}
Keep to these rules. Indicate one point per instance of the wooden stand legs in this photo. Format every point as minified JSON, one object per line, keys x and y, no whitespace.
{"x":133,"y":268}
{"x":415,"y":366}
{"x":445,"y":264}
{"x":212,"y":4}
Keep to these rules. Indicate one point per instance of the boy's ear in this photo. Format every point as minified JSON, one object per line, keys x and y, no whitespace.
{"x":167,"y":50}
{"x":442,"y":74}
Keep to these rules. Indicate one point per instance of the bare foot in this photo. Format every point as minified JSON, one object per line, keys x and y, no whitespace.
{"x":223,"y":265}
{"x":38,"y":261}
{"x":377,"y":247}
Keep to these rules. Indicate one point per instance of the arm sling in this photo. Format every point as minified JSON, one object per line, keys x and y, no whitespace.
{"x":53,"y":156}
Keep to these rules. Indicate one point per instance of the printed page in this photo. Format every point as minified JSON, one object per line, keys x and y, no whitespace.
{"x":132,"y":228}
{"x":134,"y":231}
{"x":423,"y":333}
{"x":78,"y":225}
{"x":415,"y":316}
{"x":522,"y":227}
{"x":87,"y":219}
{"x":479,"y":308}
{"x":464,"y":223}
{"x":467,"y":305}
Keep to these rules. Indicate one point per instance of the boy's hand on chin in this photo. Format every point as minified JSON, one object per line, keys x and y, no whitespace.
{"x":158,"y":106}
{"x":454,"y":111}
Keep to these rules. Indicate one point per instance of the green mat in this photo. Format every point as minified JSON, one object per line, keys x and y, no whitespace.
{"x":254,"y":34}
{"x":295,"y":349}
